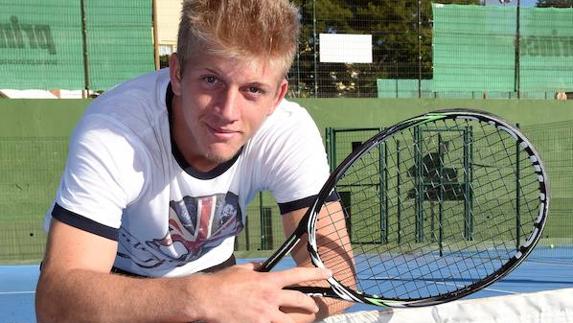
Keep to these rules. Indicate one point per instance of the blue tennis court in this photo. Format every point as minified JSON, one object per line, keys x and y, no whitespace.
{"x":18,"y":282}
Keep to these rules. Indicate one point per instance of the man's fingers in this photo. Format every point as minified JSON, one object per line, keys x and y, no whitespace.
{"x":299,"y":275}
{"x":296,"y":300}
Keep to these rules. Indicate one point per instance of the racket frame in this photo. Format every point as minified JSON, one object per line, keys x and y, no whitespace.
{"x":339,"y":290}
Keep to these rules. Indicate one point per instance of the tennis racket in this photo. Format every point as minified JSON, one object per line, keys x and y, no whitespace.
{"x":430,"y":210}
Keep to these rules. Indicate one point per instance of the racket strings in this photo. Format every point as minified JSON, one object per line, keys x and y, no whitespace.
{"x":408,"y":247}
{"x":531,"y":182}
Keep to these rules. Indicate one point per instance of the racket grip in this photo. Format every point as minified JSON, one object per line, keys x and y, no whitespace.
{"x":314,"y":291}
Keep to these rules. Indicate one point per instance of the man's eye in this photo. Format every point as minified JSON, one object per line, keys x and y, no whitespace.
{"x":255,"y":90}
{"x":210,"y":79}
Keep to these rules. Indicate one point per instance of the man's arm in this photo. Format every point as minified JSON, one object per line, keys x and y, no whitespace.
{"x":332,"y":224}
{"x":76,"y":286}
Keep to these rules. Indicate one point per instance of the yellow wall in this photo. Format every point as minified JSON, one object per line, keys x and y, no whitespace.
{"x":168,"y":12}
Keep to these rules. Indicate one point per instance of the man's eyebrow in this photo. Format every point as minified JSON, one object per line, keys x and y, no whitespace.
{"x":259,"y":84}
{"x":262,"y":85}
{"x":210,"y":70}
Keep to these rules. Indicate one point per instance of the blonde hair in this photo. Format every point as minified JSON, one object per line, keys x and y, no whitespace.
{"x":239,"y":28}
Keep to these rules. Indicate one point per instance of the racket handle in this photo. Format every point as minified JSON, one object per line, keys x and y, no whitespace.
{"x":314,"y":291}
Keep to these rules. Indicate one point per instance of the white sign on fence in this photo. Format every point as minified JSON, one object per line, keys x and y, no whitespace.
{"x":345,"y":48}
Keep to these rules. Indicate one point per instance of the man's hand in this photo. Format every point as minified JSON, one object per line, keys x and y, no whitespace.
{"x":242,"y":294}
{"x":76,"y":285}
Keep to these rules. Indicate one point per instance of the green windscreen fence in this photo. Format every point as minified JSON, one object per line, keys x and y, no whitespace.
{"x":495,"y":49}
{"x":546,"y":41}
{"x":404,"y":88}
{"x":34,"y":138}
{"x":42,"y":43}
{"x":120,"y":42}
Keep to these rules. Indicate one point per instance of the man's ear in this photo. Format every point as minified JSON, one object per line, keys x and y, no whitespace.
{"x":175,"y":74}
{"x":281,"y":93}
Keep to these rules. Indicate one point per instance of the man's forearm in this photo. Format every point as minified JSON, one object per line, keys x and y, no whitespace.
{"x":330,"y":227}
{"x":82,"y":295}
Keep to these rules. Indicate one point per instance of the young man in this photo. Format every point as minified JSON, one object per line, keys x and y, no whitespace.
{"x":159,"y":173}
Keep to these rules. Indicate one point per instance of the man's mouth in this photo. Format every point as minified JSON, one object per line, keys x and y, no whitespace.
{"x":222,"y":134}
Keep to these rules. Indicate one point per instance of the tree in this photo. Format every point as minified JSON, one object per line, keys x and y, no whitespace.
{"x":402,"y":44}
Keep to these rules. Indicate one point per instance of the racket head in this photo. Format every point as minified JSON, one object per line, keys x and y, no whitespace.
{"x":422,"y":233}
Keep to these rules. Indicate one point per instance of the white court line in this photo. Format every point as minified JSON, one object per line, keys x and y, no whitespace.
{"x":487,"y":288}
{"x":17,"y":293}
{"x":544,"y":264}
{"x":496,"y":290}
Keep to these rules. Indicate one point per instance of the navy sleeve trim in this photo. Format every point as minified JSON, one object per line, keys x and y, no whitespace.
{"x":75,"y":220}
{"x":303,"y":203}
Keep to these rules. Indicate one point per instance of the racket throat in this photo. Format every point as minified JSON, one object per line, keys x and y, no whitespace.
{"x":287,"y":247}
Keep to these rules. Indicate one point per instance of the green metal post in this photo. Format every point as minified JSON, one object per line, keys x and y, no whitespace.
{"x":441,"y":199}
{"x":345,"y":199}
{"x":517,"y":198}
{"x":419,"y":181}
{"x":399,"y":201}
{"x":266,"y":229}
{"x":85,"y":48}
{"x":330,"y":147}
{"x":468,"y":178}
{"x":383,"y":196}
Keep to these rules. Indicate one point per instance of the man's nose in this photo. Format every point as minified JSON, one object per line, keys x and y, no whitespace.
{"x":229,"y":105}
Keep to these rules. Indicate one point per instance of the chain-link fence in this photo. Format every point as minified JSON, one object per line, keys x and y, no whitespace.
{"x":401,"y":46}
{"x":348,"y":48}
{"x":459,"y":49}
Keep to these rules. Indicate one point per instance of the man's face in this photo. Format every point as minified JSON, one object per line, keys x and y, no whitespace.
{"x":219,"y":104}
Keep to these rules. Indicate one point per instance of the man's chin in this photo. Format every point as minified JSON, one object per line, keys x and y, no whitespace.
{"x":220,"y":156}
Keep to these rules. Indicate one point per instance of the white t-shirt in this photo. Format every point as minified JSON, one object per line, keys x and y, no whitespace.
{"x":125,"y":181}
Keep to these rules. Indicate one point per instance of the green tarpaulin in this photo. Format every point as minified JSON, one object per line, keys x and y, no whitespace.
{"x":42,"y":43}
{"x":475,"y":49}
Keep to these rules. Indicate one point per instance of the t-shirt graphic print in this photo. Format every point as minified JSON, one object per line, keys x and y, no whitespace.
{"x":196,"y":226}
